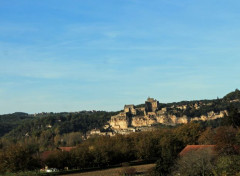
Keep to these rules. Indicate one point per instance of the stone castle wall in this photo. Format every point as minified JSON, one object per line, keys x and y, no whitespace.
{"x":150,"y":115}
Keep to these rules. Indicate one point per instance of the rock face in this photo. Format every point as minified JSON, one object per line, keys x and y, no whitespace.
{"x":120,"y":121}
{"x":210,"y":116}
{"x":151,"y":114}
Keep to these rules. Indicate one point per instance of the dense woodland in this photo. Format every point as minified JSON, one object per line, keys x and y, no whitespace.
{"x":48,"y":130}
{"x":25,"y":136}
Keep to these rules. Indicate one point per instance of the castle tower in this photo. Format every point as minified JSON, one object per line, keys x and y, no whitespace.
{"x":130,"y":109}
{"x":151,"y":105}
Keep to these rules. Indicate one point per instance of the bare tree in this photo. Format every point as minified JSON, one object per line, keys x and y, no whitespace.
{"x":195,"y":163}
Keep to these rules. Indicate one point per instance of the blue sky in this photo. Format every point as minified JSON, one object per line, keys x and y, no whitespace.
{"x":72,"y":55}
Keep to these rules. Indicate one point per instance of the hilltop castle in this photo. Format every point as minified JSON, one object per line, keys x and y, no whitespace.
{"x":151,"y":113}
{"x":137,"y":117}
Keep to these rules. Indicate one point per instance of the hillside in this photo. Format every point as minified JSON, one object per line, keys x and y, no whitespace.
{"x":49,"y":129}
{"x":66,"y":129}
{"x":152,"y":113}
{"x":9,"y":122}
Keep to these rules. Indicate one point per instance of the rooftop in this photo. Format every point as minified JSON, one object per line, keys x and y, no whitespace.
{"x":191,"y":148}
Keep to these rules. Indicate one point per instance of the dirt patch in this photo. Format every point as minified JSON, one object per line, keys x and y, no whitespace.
{"x":115,"y":171}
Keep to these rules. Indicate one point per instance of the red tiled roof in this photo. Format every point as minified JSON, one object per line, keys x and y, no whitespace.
{"x":44,"y":155}
{"x":190,"y":148}
{"x":67,"y":149}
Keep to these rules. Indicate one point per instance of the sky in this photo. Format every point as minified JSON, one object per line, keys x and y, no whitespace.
{"x":73,"y":55}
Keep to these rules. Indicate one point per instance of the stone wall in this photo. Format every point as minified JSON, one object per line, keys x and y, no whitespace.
{"x":150,"y":115}
{"x":211,"y":116}
{"x":120,"y":121}
{"x":130,"y":109}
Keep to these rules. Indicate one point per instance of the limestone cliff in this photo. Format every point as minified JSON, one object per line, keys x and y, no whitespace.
{"x":120,"y":121}
{"x":210,"y":116}
{"x":151,"y":114}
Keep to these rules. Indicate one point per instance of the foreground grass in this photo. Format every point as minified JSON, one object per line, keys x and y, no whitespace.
{"x":21,"y":174}
{"x":114,"y":171}
{"x":117,"y":171}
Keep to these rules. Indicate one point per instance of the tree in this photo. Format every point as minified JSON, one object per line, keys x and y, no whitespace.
{"x":207,"y":137}
{"x":164,"y":165}
{"x":19,"y":158}
{"x":195,"y":163}
{"x":146,"y":146}
{"x":170,"y":147}
{"x":233,"y":117}
{"x":227,"y":165}
{"x":188,"y":133}
{"x":81,"y":157}
{"x":59,"y":159}
{"x":225,"y":140}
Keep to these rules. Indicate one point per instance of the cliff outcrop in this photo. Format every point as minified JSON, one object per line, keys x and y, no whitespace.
{"x":152,"y":114}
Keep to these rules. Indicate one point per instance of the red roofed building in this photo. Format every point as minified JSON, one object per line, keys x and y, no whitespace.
{"x":195,"y":148}
{"x":66,"y":149}
{"x":44,"y":155}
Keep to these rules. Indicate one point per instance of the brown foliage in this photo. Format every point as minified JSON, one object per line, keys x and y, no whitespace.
{"x":207,"y":137}
{"x":18,"y":158}
{"x":225,"y":140}
{"x":188,"y":133}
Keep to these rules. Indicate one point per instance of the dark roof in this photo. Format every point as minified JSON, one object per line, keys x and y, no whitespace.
{"x":191,"y":148}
